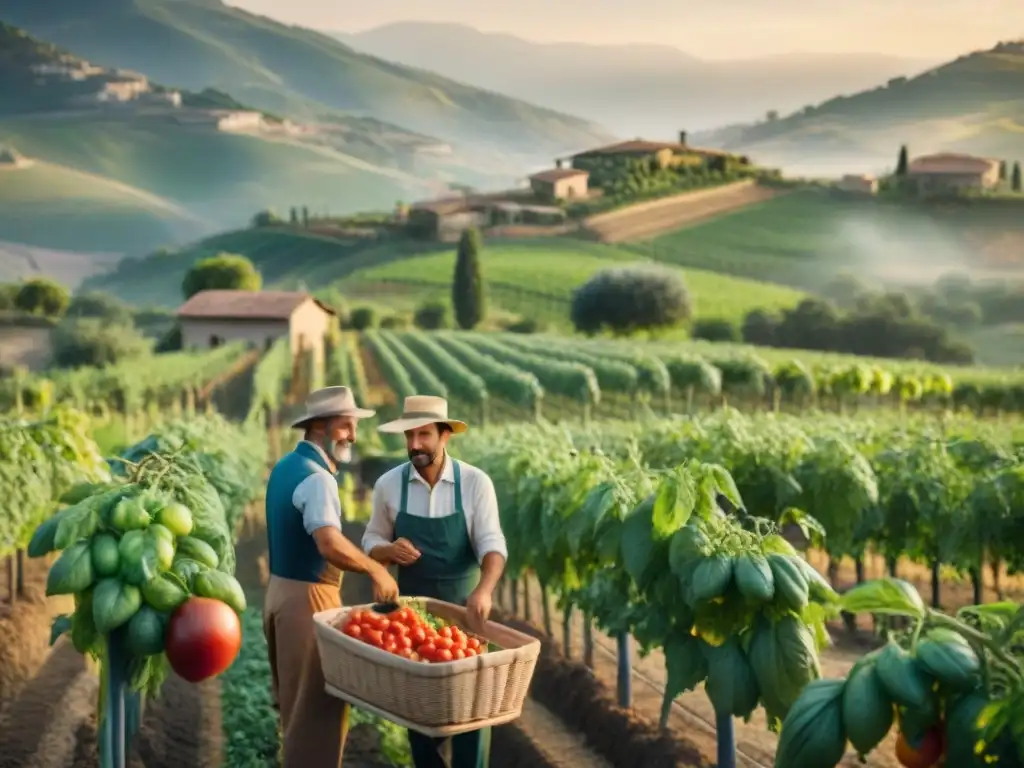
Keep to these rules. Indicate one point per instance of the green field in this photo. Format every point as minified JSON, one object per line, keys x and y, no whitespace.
{"x":526,"y":277}
{"x":807,"y":237}
{"x":50,"y":206}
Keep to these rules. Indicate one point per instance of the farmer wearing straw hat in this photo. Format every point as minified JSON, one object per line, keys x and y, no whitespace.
{"x":437,"y":520}
{"x":307,"y":553}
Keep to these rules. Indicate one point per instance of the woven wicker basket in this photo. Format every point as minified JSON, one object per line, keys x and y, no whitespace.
{"x":438,"y":699}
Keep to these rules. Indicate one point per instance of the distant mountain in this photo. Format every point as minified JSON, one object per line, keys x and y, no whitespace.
{"x":652,"y":90}
{"x":294,"y":71}
{"x":974,"y":104}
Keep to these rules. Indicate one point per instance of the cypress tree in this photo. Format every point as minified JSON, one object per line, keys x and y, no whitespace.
{"x":1003,"y":170}
{"x":902,"y":162}
{"x":1016,"y":183}
{"x":468,"y":284}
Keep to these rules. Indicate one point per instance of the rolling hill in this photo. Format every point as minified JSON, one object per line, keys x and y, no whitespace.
{"x":294,"y":71}
{"x":646,"y":89}
{"x":531,"y":277}
{"x":131,"y":176}
{"x":974,"y":104}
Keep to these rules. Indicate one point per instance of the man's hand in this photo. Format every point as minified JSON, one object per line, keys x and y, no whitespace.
{"x":402,"y":552}
{"x":478,"y":607}
{"x":385,"y":588}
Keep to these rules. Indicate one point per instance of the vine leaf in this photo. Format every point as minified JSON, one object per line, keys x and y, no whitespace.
{"x":894,"y":597}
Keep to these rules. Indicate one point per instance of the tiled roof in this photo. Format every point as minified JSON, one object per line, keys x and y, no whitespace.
{"x":948,"y":162}
{"x":557,"y":174}
{"x":245,"y":305}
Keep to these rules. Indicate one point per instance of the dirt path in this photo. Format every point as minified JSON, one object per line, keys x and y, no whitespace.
{"x":645,"y":223}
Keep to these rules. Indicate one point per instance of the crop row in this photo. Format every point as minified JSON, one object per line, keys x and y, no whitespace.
{"x":522,"y":369}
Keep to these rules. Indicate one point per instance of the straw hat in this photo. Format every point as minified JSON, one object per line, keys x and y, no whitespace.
{"x":329,"y":402}
{"x":420,"y":410}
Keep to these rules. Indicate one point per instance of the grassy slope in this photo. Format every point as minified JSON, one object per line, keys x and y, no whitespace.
{"x":51,"y":206}
{"x":534,"y":277}
{"x":806,"y":238}
{"x":973,"y":104}
{"x":274,"y":66}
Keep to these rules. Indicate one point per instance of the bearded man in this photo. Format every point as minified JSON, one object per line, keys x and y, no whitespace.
{"x":436,"y":519}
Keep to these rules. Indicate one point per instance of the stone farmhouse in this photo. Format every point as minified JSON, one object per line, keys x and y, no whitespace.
{"x":213,"y":318}
{"x":560,"y":183}
{"x":950,"y":173}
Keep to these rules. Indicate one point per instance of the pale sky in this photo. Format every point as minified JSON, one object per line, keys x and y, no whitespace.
{"x":708,"y":28}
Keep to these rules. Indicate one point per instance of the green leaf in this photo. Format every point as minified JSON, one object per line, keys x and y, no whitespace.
{"x":637,"y":541}
{"x":894,"y":597}
{"x":61,"y":624}
{"x":685,"y":665}
{"x":78,"y":522}
{"x":726,"y":485}
{"x":814,"y":532}
{"x":581,"y":526}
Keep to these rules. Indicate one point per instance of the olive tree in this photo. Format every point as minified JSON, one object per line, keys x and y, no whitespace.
{"x":225,"y":271}
{"x":629,"y":299}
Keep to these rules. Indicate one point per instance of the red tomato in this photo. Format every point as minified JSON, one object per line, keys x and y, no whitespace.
{"x":417,"y":635}
{"x":358,"y":616}
{"x":354,"y":630}
{"x":427,"y":651}
{"x":470,"y":653}
{"x":405,"y":642}
{"x":458,"y":635}
{"x":445,"y":631}
{"x":458,"y":653}
{"x":927,"y":753}
{"x":399,"y":629}
{"x":374,"y":637}
{"x":472,"y":642}
{"x":443,"y":654}
{"x":390,"y":646}
{"x":405,"y":653}
{"x":444,"y":643}
{"x":203,"y":638}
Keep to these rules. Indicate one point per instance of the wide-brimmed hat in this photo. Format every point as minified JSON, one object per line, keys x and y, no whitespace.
{"x":420,"y":410}
{"x":329,"y":402}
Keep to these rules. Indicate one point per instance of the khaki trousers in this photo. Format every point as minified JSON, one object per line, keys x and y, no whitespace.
{"x":314,"y":725}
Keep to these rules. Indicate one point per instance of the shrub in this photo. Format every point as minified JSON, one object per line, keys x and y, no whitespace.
{"x":629,"y":299}
{"x":432,"y":315}
{"x":395,"y":322}
{"x":715,"y":329}
{"x":99,"y":306}
{"x":362,"y":318}
{"x":524,"y":325}
{"x":760,"y":327}
{"x":94,"y":342}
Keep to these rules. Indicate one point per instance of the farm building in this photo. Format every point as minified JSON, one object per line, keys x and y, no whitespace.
{"x":947,"y":173}
{"x":858,"y":184}
{"x":446,"y":219}
{"x":641,"y":148}
{"x":560,"y":183}
{"x":212,"y":318}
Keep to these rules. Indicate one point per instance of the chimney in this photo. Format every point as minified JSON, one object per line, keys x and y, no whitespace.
{"x":558,"y":163}
{"x":682,"y":138}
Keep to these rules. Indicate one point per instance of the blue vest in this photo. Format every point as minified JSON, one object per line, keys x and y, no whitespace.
{"x":292,"y":551}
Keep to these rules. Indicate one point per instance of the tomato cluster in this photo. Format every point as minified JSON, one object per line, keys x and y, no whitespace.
{"x":408,"y":634}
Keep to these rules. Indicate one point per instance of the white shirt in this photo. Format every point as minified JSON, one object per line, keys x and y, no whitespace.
{"x":317,"y":498}
{"x":479,"y":502}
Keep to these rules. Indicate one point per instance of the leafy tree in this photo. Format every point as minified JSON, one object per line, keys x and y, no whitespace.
{"x":845,"y":290}
{"x":715,"y":329}
{"x":8,"y":295}
{"x":42,"y":296}
{"x":629,"y":299}
{"x":468,"y":298}
{"x":1015,"y":183}
{"x":432,"y":315}
{"x":225,"y":271}
{"x":902,"y":162}
{"x":760,"y":327}
{"x":363,"y":318}
{"x":293,"y":216}
{"x":265,"y":219}
{"x":811,"y":324}
{"x":94,"y":342}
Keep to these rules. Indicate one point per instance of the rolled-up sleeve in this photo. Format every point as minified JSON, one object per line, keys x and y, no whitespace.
{"x":317,"y":498}
{"x":381,"y":528}
{"x":487,"y":535}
